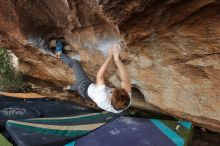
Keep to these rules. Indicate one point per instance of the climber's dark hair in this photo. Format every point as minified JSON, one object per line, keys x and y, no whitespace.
{"x":120,"y":99}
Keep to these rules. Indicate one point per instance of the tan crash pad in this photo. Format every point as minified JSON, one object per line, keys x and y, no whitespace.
{"x":22,"y":95}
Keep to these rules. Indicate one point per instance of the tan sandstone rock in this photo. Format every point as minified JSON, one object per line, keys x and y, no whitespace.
{"x":171,"y":47}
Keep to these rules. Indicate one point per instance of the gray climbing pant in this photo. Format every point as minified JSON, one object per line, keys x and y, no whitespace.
{"x":82,"y":81}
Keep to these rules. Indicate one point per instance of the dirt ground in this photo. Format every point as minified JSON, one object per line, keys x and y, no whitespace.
{"x":203,"y":137}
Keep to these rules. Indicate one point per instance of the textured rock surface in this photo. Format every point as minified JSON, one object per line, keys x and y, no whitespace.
{"x":172,"y":47}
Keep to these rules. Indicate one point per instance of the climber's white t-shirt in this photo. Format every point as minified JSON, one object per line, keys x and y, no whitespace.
{"x":101,"y":96}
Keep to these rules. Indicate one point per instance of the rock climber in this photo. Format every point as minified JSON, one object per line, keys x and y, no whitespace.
{"x":115,"y":99}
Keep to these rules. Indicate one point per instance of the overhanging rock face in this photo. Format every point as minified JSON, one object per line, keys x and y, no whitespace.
{"x":172,"y":47}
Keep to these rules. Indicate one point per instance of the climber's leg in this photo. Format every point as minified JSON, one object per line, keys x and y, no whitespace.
{"x":82,"y":80}
{"x":80,"y":74}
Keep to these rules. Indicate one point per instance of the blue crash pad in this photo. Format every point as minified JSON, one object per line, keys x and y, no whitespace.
{"x":129,"y":131}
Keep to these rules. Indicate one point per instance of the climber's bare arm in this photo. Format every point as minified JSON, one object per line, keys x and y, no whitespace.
{"x":123,"y":73}
{"x":101,"y":72}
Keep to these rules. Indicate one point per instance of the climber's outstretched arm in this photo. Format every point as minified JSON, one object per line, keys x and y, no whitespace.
{"x":100,"y":74}
{"x":123,"y":73}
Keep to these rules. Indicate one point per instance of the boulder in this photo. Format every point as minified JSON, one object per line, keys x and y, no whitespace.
{"x":171,"y":48}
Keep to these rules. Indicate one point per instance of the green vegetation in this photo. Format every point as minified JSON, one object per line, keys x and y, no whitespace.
{"x":10,"y":80}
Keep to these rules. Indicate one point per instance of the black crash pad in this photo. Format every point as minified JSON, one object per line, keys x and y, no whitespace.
{"x":12,"y":108}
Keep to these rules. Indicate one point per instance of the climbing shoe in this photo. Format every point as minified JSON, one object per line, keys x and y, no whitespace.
{"x":59,"y":48}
